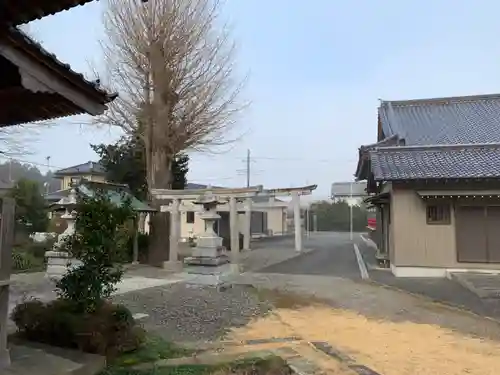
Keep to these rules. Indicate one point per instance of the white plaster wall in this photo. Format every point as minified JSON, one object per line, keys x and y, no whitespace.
{"x":276,"y":222}
{"x":191,"y":229}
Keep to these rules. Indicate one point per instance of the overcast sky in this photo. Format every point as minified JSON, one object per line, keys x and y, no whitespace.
{"x":317,"y":70}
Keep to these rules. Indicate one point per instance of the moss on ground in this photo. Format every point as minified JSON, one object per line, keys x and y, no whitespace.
{"x":155,"y":349}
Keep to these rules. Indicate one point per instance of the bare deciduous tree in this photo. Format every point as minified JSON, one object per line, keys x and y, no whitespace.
{"x":173,"y":66}
{"x":172,"y":63}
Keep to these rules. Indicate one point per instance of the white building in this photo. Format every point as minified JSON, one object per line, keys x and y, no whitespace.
{"x":351,"y":192}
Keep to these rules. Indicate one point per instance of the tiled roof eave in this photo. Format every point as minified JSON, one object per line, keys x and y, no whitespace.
{"x":436,"y":162}
{"x":36,"y":50}
{"x":363,"y":166}
{"x":17,"y":12}
{"x":431,"y":179}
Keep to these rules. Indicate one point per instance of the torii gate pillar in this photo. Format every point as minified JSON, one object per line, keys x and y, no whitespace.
{"x":297,"y":221}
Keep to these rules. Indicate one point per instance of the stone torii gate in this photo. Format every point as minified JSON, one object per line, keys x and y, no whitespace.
{"x":295,"y":193}
{"x":239,"y":199}
{"x":231,"y":195}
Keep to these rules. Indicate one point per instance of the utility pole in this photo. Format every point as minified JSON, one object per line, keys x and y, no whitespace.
{"x":248,"y":168}
{"x":308,"y":221}
{"x":350,"y":212}
{"x":47,"y":184}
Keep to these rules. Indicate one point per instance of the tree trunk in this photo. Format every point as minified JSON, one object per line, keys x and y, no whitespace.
{"x":159,"y":248}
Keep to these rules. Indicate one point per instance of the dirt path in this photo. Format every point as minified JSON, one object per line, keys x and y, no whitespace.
{"x":388,"y":331}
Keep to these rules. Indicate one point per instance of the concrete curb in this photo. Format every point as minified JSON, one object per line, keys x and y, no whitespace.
{"x":442,"y":304}
{"x":343,"y":358}
{"x":458,"y":277}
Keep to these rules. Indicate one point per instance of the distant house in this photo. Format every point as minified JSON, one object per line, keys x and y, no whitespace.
{"x":90,"y":171}
{"x":351,"y":192}
{"x":434,"y":176}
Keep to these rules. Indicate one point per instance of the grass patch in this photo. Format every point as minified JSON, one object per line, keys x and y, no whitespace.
{"x":174,"y":370}
{"x":257,"y":366}
{"x":153,"y":349}
{"x":287,"y":300}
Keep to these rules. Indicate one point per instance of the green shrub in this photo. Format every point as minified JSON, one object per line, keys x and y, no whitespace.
{"x":109,"y":330}
{"x":97,"y":226}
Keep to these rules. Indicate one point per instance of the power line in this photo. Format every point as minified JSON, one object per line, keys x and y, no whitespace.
{"x":28,"y":162}
{"x":302,"y":159}
{"x":277,"y":158}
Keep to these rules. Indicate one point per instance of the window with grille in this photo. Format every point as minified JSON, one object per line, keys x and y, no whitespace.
{"x":438,"y":214}
{"x":190,"y":217}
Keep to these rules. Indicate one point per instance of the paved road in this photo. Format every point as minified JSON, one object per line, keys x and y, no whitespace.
{"x":333,"y":255}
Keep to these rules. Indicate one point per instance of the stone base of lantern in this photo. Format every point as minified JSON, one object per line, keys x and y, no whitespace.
{"x":58,"y":263}
{"x":209,"y":276}
{"x":208,"y":267}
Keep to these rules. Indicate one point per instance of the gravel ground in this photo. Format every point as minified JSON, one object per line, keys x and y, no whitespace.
{"x":185,"y":314}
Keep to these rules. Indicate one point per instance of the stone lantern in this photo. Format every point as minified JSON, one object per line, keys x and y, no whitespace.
{"x":209,"y":263}
{"x":59,"y":260}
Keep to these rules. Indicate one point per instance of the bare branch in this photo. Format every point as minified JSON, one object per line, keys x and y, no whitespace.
{"x":172,"y":62}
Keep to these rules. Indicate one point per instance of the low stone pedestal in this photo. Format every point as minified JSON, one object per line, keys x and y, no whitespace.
{"x":208,"y":270}
{"x":211,"y":276}
{"x":58,"y":263}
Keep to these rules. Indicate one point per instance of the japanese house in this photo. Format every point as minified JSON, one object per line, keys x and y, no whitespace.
{"x":434,"y":176}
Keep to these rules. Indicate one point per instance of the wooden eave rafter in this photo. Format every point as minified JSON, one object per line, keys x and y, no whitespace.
{"x":45,"y":77}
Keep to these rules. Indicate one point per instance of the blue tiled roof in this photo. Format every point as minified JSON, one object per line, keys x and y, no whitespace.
{"x":456,"y":137}
{"x":89,"y":167}
{"x":457,"y":120}
{"x":436,"y":162}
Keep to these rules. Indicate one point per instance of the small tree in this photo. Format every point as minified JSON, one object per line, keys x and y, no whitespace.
{"x":336,"y":216}
{"x":94,"y":244}
{"x":31,"y":213}
{"x":125,"y":163}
